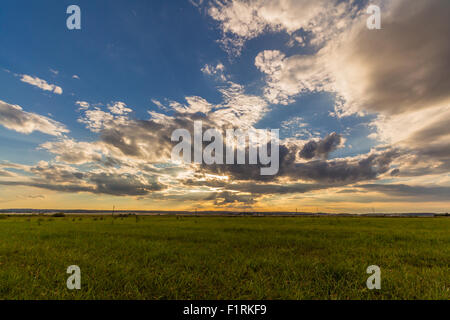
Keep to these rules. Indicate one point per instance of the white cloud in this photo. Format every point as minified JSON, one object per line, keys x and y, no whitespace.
{"x":75,"y":77}
{"x":243,"y":20}
{"x":41,"y":84}
{"x":194,"y":104}
{"x":414,"y":128}
{"x":14,"y":118}
{"x":290,"y":76}
{"x":119,"y":108}
{"x":96,"y":119}
{"x":217,"y":71}
{"x":83,"y":104}
{"x":294,"y":123}
{"x":58,"y":90}
{"x":238,"y":108}
{"x":159,"y":105}
{"x":73,"y":152}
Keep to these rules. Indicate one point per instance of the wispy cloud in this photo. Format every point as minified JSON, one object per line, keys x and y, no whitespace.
{"x":13,"y":117}
{"x":41,"y":84}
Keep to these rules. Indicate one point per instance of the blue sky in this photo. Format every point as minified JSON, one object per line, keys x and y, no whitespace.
{"x":138,"y":52}
{"x":134,"y":51}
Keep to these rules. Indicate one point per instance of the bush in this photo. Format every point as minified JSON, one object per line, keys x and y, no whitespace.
{"x":58,"y":215}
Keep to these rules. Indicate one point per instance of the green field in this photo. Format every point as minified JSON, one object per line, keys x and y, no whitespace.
{"x":224,"y":258}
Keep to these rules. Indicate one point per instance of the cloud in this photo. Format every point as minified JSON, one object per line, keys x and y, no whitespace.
{"x":131,"y":147}
{"x":68,"y":179}
{"x":398,"y":69}
{"x":196,"y":3}
{"x":119,"y":108}
{"x":194,"y":104}
{"x":225,"y":198}
{"x":75,"y":77}
{"x":14,"y":118}
{"x":337,"y":171}
{"x":96,"y":119}
{"x":159,"y":105}
{"x":5,"y":173}
{"x":135,"y":143}
{"x":293,"y":123}
{"x":413,"y":193}
{"x":351,"y":170}
{"x":41,"y":84}
{"x":73,"y":152}
{"x":83,"y":105}
{"x":413,"y":127}
{"x":258,"y":189}
{"x":396,"y":73}
{"x":242,"y":20}
{"x":239,"y":109}
{"x":217,"y":71}
{"x":322,"y":147}
{"x":288,"y":77}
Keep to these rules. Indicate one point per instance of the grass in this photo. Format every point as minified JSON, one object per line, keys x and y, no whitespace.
{"x":224,"y":258}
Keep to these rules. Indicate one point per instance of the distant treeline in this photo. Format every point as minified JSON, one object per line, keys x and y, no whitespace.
{"x":202,"y":213}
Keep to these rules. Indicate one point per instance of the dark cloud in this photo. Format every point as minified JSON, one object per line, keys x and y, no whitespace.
{"x":67,"y":179}
{"x":118,"y":186}
{"x":58,"y":173}
{"x":433,"y":131}
{"x":414,"y":193}
{"x":124,"y":184}
{"x":426,"y":158}
{"x":321,"y":148}
{"x":249,"y":171}
{"x":261,"y":187}
{"x":227,"y":198}
{"x":407,"y":62}
{"x":346,"y":171}
{"x":342,"y":170}
{"x":148,"y":139}
{"x":395,"y":172}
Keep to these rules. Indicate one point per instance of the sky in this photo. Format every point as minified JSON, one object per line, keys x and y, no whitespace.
{"x":86,"y":116}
